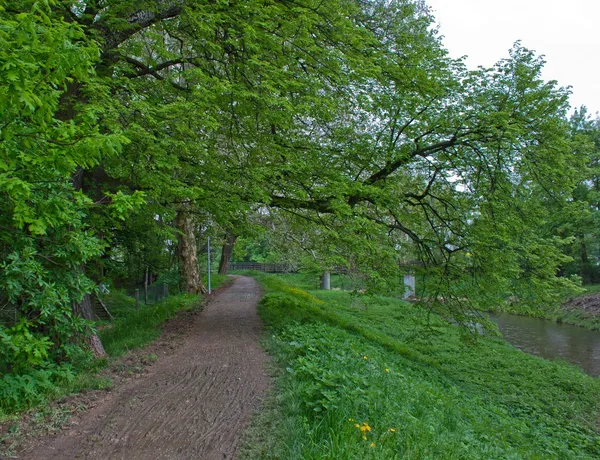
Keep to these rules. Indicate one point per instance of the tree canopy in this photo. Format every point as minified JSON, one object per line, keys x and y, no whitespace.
{"x":128,"y":127}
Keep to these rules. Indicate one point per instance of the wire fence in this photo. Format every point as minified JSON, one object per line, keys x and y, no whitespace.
{"x":150,"y":295}
{"x":277,"y":268}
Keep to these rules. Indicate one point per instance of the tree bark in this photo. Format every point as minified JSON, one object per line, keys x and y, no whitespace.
{"x":187,"y":255}
{"x":84,"y":309}
{"x":226,"y":253}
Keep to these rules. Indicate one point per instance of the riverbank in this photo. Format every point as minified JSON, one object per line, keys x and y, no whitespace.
{"x":379,"y":378}
{"x":582,"y":310}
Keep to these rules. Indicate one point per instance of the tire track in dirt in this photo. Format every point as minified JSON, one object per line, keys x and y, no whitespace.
{"x":193,"y":404}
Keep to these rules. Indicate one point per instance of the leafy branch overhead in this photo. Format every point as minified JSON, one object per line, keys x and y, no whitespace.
{"x":343,"y":128}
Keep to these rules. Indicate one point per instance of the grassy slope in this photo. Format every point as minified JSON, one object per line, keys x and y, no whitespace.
{"x":367,"y":379}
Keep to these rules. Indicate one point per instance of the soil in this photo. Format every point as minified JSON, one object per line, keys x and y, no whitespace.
{"x":189,"y":396}
{"x":590,"y":304}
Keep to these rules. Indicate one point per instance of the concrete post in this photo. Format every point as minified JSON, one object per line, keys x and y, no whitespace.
{"x":326,"y":281}
{"x":409,"y":286}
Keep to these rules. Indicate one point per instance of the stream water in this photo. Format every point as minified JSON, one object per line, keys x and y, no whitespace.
{"x":551,"y":340}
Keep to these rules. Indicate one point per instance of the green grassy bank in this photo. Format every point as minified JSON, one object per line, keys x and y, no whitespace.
{"x":376,"y":378}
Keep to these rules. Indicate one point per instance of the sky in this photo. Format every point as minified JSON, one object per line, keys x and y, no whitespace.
{"x":566,"y":32}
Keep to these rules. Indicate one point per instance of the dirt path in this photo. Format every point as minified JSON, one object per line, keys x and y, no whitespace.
{"x":193,"y":403}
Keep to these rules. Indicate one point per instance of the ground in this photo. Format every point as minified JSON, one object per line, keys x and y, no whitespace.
{"x":206,"y":379}
{"x":590,"y":303}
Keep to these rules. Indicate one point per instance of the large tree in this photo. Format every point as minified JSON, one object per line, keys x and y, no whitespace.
{"x":455,"y":161}
{"x":346,"y":115}
{"x":44,"y":236}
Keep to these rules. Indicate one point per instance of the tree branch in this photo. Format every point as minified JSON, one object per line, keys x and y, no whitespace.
{"x":143,"y":69}
{"x":137,"y":21}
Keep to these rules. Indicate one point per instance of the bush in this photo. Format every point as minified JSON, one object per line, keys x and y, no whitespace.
{"x":20,"y":392}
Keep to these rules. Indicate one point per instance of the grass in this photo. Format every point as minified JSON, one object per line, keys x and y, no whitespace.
{"x":134,"y":329}
{"x":591,"y":288}
{"x":377,"y":378}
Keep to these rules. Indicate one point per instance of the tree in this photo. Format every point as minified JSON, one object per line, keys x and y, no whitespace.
{"x":457,"y":162}
{"x":44,"y":237}
{"x":346,"y":117}
{"x":575,"y":216}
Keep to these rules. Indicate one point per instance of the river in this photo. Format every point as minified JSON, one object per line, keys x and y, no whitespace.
{"x":550,"y":340}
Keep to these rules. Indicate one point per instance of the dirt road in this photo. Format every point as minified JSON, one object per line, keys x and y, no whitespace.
{"x":192,"y":404}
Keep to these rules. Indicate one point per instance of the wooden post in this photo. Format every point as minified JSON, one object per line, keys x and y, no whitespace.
{"x":166,"y":290}
{"x":137,"y":299}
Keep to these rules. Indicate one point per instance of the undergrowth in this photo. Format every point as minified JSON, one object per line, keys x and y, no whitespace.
{"x":375,"y":377}
{"x":130,"y":329}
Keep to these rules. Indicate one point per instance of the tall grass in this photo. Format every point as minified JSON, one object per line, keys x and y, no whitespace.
{"x":379,"y":378}
{"x":134,"y":329}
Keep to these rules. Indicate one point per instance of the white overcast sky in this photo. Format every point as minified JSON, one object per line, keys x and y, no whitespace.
{"x":566,"y":32}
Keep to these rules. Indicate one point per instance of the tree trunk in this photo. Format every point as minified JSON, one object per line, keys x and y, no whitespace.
{"x":186,"y":252}
{"x":84,"y":309}
{"x":226,"y":252}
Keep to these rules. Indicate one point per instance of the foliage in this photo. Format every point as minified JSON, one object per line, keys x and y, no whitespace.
{"x":29,"y":387}
{"x":19,"y":392}
{"x":344,"y":391}
{"x":577,"y":217}
{"x":44,"y":239}
{"x":342,"y":127}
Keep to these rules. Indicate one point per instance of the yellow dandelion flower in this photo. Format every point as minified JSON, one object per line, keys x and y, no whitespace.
{"x":387,"y":370}
{"x":357,"y":425}
{"x":365,"y":427}
{"x":372,"y":444}
{"x":365,"y":357}
{"x":392,"y":430}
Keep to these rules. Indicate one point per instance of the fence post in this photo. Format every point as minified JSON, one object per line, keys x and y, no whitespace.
{"x":137,"y":299}
{"x":166,"y":290}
